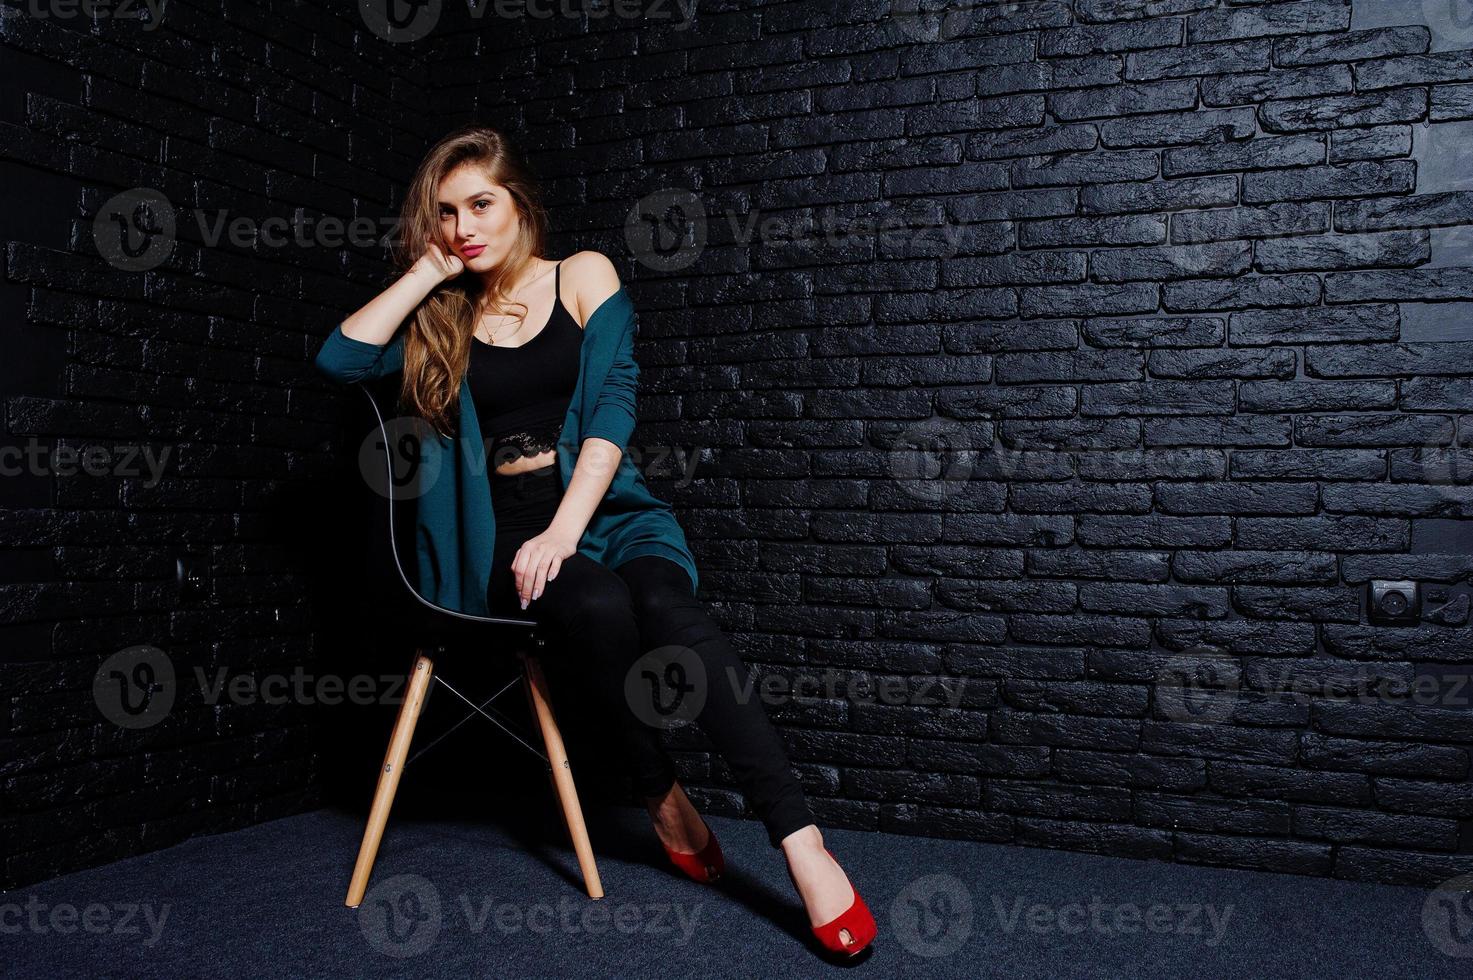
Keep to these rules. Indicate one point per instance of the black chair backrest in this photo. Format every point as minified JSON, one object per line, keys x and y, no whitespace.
{"x":400,"y":439}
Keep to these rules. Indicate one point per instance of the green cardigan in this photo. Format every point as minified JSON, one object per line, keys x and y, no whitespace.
{"x":455,"y":524}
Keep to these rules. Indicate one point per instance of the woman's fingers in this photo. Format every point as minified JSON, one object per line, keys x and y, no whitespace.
{"x":529,"y":567}
{"x":517,"y":565}
{"x":535,"y":564}
{"x":539,"y":580}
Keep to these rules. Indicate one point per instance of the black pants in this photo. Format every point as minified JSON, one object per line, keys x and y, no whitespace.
{"x":647,"y":637}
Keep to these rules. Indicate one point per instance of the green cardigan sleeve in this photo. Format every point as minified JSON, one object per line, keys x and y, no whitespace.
{"x":614,"y":412}
{"x":345,"y":360}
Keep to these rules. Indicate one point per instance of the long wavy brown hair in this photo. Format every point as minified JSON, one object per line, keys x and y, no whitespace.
{"x":437,"y":342}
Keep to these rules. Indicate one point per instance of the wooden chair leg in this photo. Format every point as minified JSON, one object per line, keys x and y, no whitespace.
{"x":562,"y":775}
{"x":551,"y":778}
{"x":388,"y":780}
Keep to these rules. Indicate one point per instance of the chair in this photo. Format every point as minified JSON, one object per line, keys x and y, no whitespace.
{"x":441,"y":623}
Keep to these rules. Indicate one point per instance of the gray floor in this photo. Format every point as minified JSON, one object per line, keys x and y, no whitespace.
{"x":467,"y":898}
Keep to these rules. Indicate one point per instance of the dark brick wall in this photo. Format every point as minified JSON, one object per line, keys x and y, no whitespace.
{"x":1167,"y":357}
{"x":1164,"y":355}
{"x":258,"y":109}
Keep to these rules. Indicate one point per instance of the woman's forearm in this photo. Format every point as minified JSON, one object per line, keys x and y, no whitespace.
{"x":380,"y":318}
{"x":598,"y":460}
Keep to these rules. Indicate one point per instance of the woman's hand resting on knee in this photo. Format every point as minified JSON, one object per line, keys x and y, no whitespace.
{"x":537,"y":562}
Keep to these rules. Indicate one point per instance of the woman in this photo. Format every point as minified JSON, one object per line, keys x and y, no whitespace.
{"x":524,"y":369}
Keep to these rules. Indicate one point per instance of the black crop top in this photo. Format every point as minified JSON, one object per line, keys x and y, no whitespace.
{"x":521,"y":394}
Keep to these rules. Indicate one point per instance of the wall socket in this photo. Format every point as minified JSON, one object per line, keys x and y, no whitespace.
{"x":1394,"y":602}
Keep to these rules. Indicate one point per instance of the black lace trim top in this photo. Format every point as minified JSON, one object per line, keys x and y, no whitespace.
{"x":522,"y":393}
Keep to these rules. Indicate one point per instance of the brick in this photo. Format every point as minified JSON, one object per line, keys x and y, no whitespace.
{"x":1309,"y":464}
{"x":1413,"y":69}
{"x":1171,"y":262}
{"x":1093,"y":167}
{"x":1107,"y":230}
{"x":1069,"y":366}
{"x":1176,"y":128}
{"x":1340,"y":111}
{"x":1236,"y":498}
{"x":1165,"y":331}
{"x":1451,"y":102}
{"x":1094,"y":39}
{"x":1252,"y":89}
{"x":1319,"y":49}
{"x":1152,"y":464}
{"x":1242,"y":430}
{"x":1362,"y":179}
{"x":1089,"y":300}
{"x":1415,"y":285}
{"x":1370,"y":143}
{"x":1391,"y":248}
{"x":1322,"y":533}
{"x":1157,"y":398}
{"x":1128,"y":566}
{"x":1119,"y":100}
{"x":1072,"y":434}
{"x":1161,"y":195}
{"x":1315,"y":396}
{"x":1430,"y":643}
{"x":1432,"y":394}
{"x":1232,"y":23}
{"x":1318,"y":325}
{"x":1261,"y":153}
{"x":1197,"y":364}
{"x":1426,"y":465}
{"x":1390,"y":360}
{"x":1270,"y":221}
{"x":1407,"y":501}
{"x":1419,"y":211}
{"x":1373,"y":430}
{"x":1317,"y":604}
{"x":1218,"y":58}
{"x":1155,"y":531}
{"x":1384,"y":758}
{"x":1261,"y":567}
{"x":1071,"y":498}
{"x":1215,"y":294}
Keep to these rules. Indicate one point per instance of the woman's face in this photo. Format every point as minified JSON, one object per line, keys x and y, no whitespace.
{"x":478,"y":219}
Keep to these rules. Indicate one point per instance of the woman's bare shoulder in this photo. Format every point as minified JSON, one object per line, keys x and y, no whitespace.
{"x":594,"y":279}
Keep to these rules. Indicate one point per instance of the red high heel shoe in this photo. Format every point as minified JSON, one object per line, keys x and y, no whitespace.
{"x":856,"y":918}
{"x":705,"y":865}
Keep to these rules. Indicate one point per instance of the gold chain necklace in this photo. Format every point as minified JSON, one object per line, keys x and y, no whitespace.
{"x":492,"y":335}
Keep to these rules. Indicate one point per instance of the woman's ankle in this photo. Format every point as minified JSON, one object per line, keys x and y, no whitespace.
{"x":803,"y":840}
